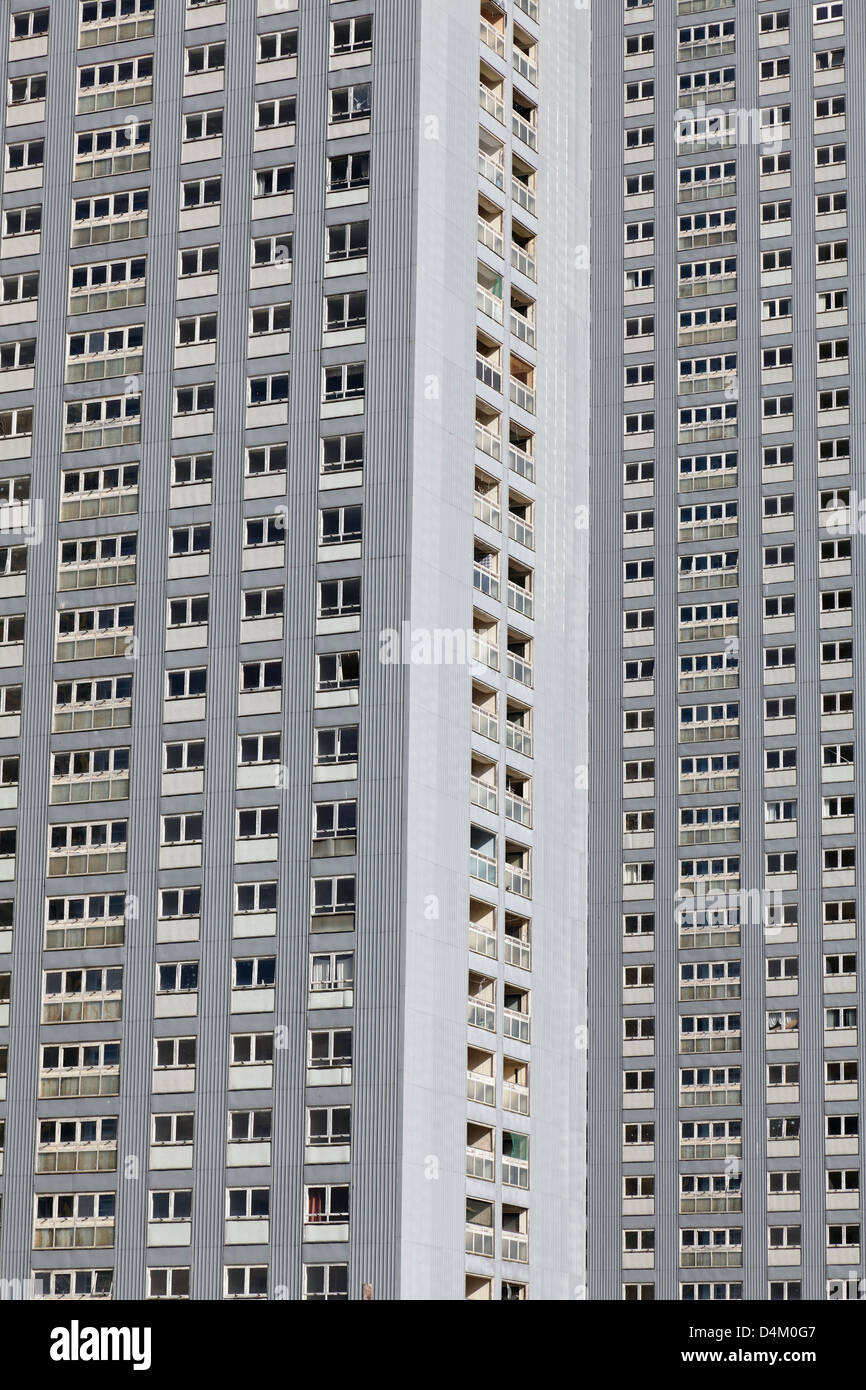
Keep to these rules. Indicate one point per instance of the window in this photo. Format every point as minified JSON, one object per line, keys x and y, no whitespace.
{"x":171,"y":1205}
{"x":273,"y":47}
{"x":327,"y":1205}
{"x":266,"y":390}
{"x":334,"y":746}
{"x":261,"y":675}
{"x":186,"y":683}
{"x":22,"y":221}
{"x":275,"y":114}
{"x":199,"y":260}
{"x":332,"y":896}
{"x":254,"y":974}
{"x":272,"y":251}
{"x":189,"y":540}
{"x":246,"y":1281}
{"x":263,"y":603}
{"x":195,"y":400}
{"x":348,"y":171}
{"x":270,"y":458}
{"x":200,"y":193}
{"x":110,"y":217}
{"x":275,"y":182}
{"x":109,"y":85}
{"x":342,"y":453}
{"x":182,"y":830}
{"x":350,"y":103}
{"x":352,"y":35}
{"x":338,"y":671}
{"x":326,"y":1283}
{"x":203,"y":125}
{"x":255,"y":897}
{"x":29,"y":154}
{"x":172,"y":1282}
{"x":205,"y":58}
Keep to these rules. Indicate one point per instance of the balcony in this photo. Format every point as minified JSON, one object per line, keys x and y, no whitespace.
{"x":485,"y":724}
{"x":483,"y":795}
{"x":485,"y":583}
{"x":492,"y":239}
{"x":518,"y":738}
{"x":482,"y":941}
{"x":515,"y":1172}
{"x":491,"y":103}
{"x":522,"y":321}
{"x":482,"y":867}
{"x":488,"y":442}
{"x":481,"y":1088}
{"x":518,"y":668}
{"x":524,"y":195}
{"x":479,"y":1239}
{"x":492,"y":38}
{"x":518,"y":809}
{"x":488,"y":373}
{"x":522,"y":261}
{"x":524,"y":130}
{"x":487,"y":510}
{"x":480,"y":1164}
{"x":517,"y":952}
{"x":520,"y":600}
{"x":521,"y":395}
{"x":523,"y":532}
{"x":530,"y":8}
{"x":515,"y":1247}
{"x":515,"y":1025}
{"x":490,"y":304}
{"x":521,"y":462}
{"x":481,"y":1015}
{"x":486,"y":654}
{"x":491,"y":170}
{"x":523,"y":61}
{"x":515,"y":1098}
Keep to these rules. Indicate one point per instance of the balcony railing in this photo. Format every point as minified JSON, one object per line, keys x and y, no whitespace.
{"x":489,"y":169}
{"x":523,"y":262}
{"x":530,"y":7}
{"x":515,"y":1247}
{"x":493,"y":240}
{"x":515,"y":1098}
{"x":479,"y":1239}
{"x":520,"y":601}
{"x":521,"y":395}
{"x":522,"y":532}
{"x":489,"y":304}
{"x":524,"y":131}
{"x":486,"y":583}
{"x":481,"y":1164}
{"x":515,"y":1172}
{"x":515,"y":1025}
{"x":481,"y":866}
{"x":518,"y":809}
{"x":488,"y":442}
{"x":522,"y":328}
{"x":487,"y":655}
{"x":518,"y":670}
{"x":488,"y":512}
{"x":482,"y":1089}
{"x":517,"y":953}
{"x":485,"y":724}
{"x":481,"y":1015}
{"x":518,"y":881}
{"x":482,"y":942}
{"x":524,"y":196}
{"x":518,"y":739}
{"x":484,"y":795}
{"x":488,"y":373}
{"x":521,"y":463}
{"x":491,"y":103}
{"x":525,"y":66}
{"x":493,"y":38}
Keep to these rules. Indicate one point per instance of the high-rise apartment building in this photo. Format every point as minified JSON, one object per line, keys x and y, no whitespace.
{"x":725,"y":892}
{"x":294,"y":365}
